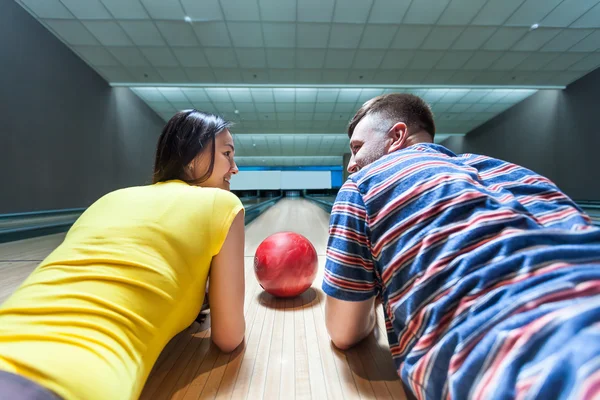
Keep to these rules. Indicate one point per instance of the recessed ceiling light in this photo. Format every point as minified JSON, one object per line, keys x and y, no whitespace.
{"x":535,"y":26}
{"x":253,"y":144}
{"x":187,"y":19}
{"x":237,"y":111}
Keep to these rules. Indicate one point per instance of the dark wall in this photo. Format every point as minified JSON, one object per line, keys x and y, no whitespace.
{"x":67,"y":137}
{"x":554,"y":132}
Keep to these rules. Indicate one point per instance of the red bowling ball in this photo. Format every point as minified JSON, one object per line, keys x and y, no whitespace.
{"x":285,"y":264}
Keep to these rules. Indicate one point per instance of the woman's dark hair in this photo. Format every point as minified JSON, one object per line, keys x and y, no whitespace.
{"x":185,"y":136}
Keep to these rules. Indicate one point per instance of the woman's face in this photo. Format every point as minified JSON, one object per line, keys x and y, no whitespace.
{"x":224,"y":166}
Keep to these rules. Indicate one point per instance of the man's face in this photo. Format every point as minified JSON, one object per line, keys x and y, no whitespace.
{"x":369,"y":142}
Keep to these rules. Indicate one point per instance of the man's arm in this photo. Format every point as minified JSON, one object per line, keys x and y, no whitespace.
{"x":349,"y":279}
{"x":349,"y":322}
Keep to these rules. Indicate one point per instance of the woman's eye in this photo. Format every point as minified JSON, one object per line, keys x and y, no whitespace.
{"x":227,"y":154}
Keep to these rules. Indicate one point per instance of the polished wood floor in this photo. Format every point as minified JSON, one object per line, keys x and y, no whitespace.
{"x":286,"y":353}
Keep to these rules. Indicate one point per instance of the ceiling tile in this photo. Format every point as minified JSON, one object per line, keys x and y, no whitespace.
{"x":205,"y":10}
{"x":261,"y":95}
{"x":160,"y":56}
{"x":438,"y":77}
{"x":474,"y":95}
{"x":366,"y":59}
{"x":481,"y":60}
{"x":358,"y":12}
{"x":339,"y":58}
{"x":173,"y":75}
{"x":281,"y":58}
{"x":240,"y":10}
{"x":345,"y":36}
{"x":589,"y":44}
{"x":462,"y":78}
{"x":460,"y":12}
{"x":279,"y":34}
{"x":454,"y":59}
{"x":213,"y":34}
{"x":441,"y":37}
{"x":589,"y":63}
{"x":312,"y":35}
{"x":129,"y":56}
{"x":349,"y":96}
{"x":473,"y":37}
{"x":115,"y":74}
{"x":145,"y":75}
{"x":196,"y":95}
{"x":397,"y":59}
{"x":531,"y":12}
{"x":316,"y":11}
{"x":327,"y":95}
{"x":246,"y":34}
{"x":335,"y":75}
{"x":496,"y":12}
{"x":590,"y":19}
{"x":284,"y":95}
{"x":509,"y":60}
{"x":410,"y":37}
{"x":143,"y":33}
{"x":568,"y":12}
{"x":563,"y":61}
{"x":304,"y":107}
{"x":504,"y":38}
{"x":412,"y":77}
{"x":218,"y":95}
{"x":282,"y":75}
{"x":278,"y":10}
{"x":425,"y":11}
{"x":96,"y":55}
{"x":306,"y":95}
{"x":454,"y":95}
{"x":536,"y":61}
{"x":251,"y":58}
{"x":378,"y":36}
{"x":164,"y":9}
{"x":221,"y":58}
{"x":310,"y":58}
{"x":566,"y":39}
{"x":425,"y":59}
{"x":565,"y":78}
{"x":72,"y":32}
{"x":149,"y":94}
{"x":309,"y":75}
{"x":434,"y":95}
{"x":192,"y":57}
{"x":361,"y":76}
{"x":534,"y":40}
{"x":177,"y":33}
{"x":47,"y":9}
{"x":200,"y":75}
{"x":284,"y":107}
{"x":87,"y":9}
{"x":388,"y":11}
{"x":108,"y":33}
{"x":126,"y":9}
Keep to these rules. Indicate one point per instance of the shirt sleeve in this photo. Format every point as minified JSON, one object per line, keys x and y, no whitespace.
{"x":226,"y":207}
{"x":349,"y":268}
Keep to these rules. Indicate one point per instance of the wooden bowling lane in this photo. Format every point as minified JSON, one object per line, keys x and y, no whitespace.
{"x":287,"y":353}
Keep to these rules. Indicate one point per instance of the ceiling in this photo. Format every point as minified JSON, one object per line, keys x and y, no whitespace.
{"x":302,"y":67}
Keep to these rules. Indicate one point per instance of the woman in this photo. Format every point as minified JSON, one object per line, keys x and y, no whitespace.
{"x":92,"y":319}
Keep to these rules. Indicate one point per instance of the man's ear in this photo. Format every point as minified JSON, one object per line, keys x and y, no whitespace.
{"x":398,"y":134}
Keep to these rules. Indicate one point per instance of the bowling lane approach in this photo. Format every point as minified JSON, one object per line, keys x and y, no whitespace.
{"x":286,"y":353}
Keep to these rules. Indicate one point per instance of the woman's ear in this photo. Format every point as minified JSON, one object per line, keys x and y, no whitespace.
{"x":398,"y":134}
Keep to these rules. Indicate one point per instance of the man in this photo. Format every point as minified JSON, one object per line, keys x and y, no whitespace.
{"x":489,"y":275}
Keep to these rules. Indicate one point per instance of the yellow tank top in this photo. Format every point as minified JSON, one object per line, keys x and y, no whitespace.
{"x":91,"y":320}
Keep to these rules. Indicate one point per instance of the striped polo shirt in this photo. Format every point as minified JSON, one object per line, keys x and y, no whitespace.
{"x":483,"y":267}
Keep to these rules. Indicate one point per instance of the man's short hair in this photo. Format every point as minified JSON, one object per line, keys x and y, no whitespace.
{"x":398,"y":107}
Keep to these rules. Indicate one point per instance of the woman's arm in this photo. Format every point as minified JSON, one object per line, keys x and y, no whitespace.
{"x":227,"y":289}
